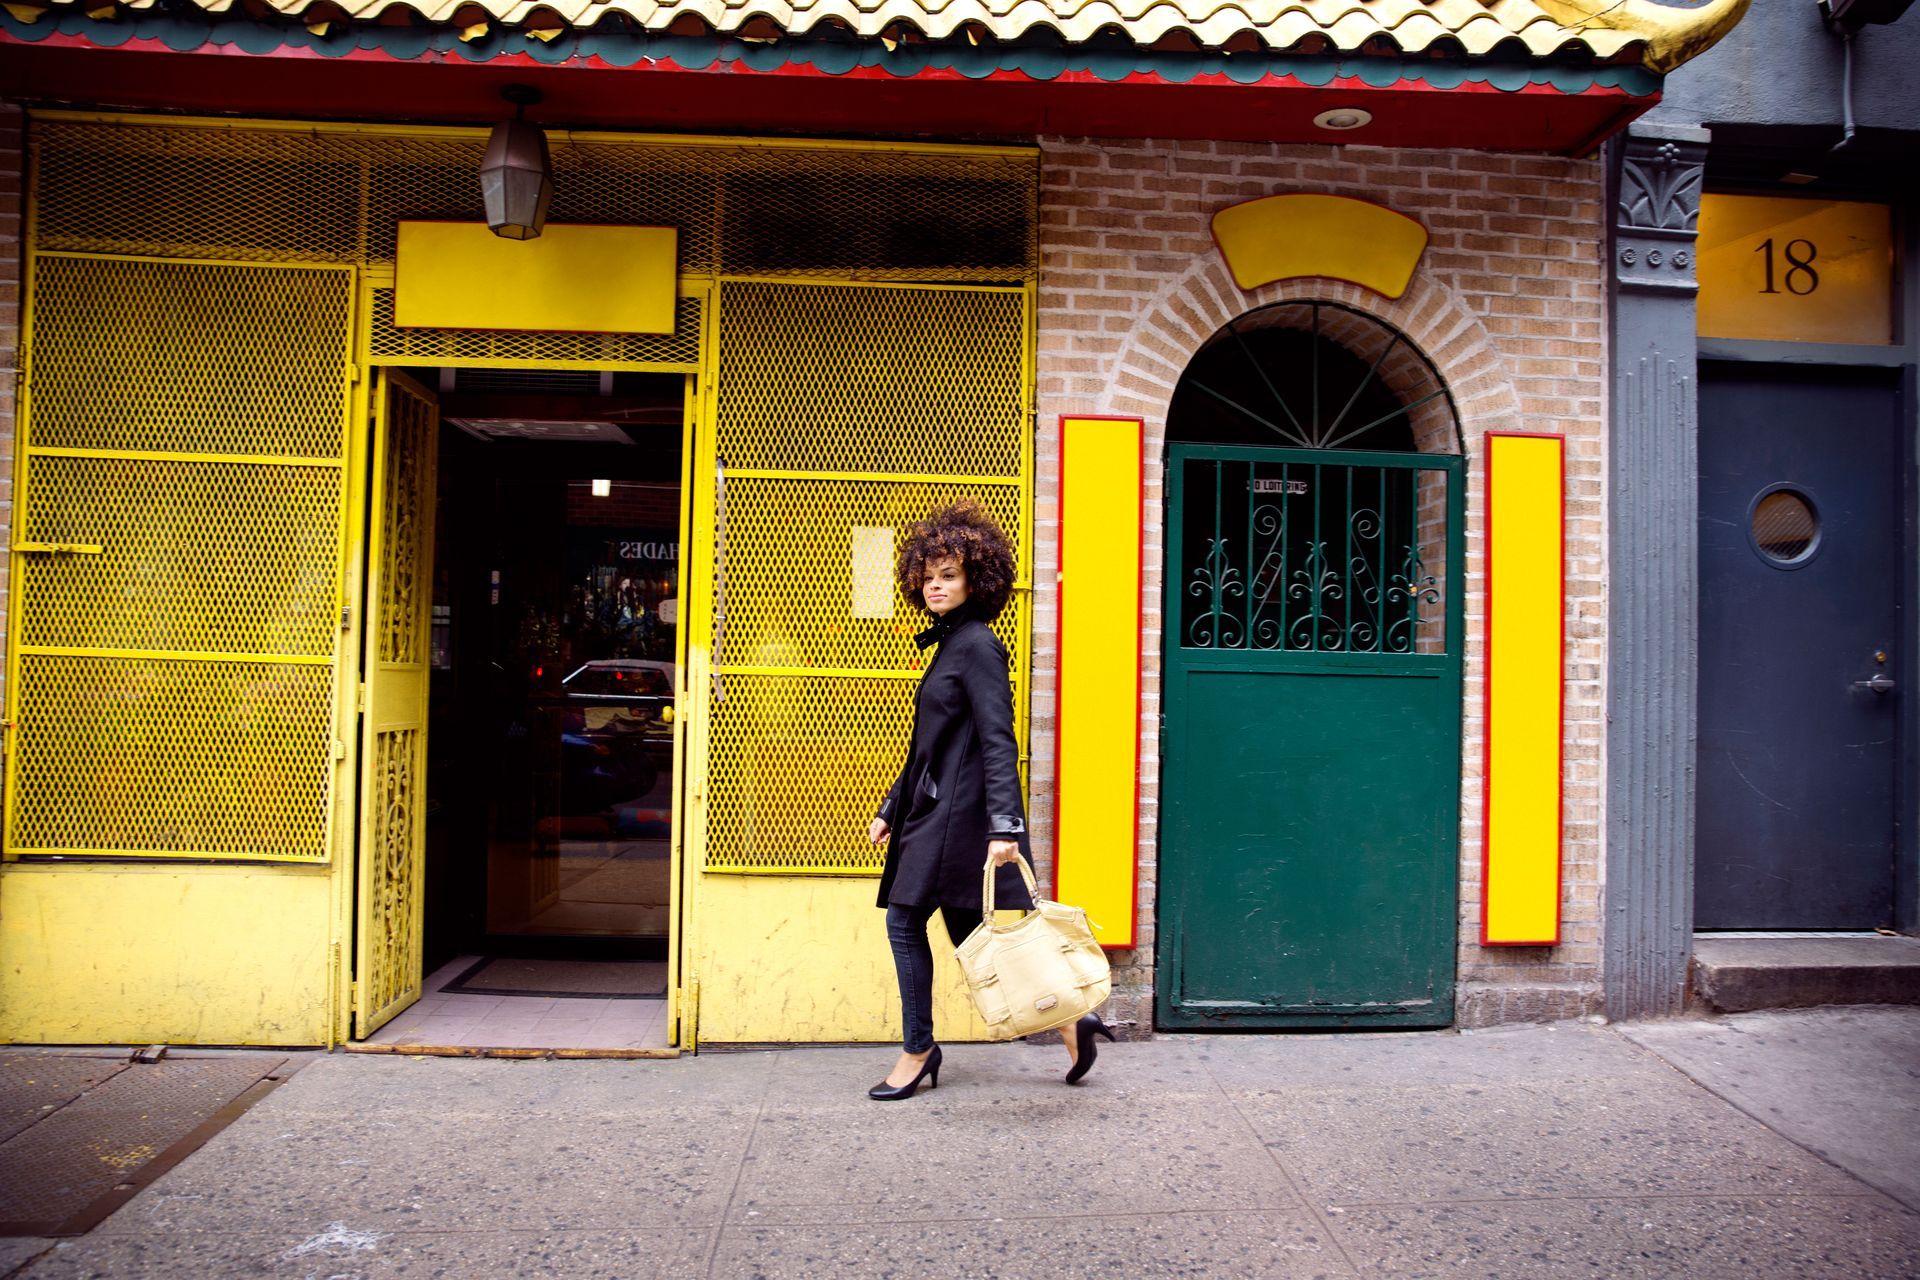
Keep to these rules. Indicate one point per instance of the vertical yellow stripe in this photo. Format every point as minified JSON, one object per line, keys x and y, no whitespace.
{"x":1525,"y":486}
{"x":1099,"y":706}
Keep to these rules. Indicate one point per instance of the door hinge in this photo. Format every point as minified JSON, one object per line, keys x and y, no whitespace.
{"x":360,"y":696}
{"x":353,"y":373}
{"x":353,"y":997}
{"x":346,"y":616}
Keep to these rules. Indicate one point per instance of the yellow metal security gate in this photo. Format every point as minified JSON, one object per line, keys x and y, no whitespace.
{"x":840,"y":413}
{"x":203,"y":299}
{"x":393,"y":702}
{"x":177,"y":559}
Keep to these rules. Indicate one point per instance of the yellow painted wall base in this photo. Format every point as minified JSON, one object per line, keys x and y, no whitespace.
{"x":173,"y":955}
{"x":811,"y":963}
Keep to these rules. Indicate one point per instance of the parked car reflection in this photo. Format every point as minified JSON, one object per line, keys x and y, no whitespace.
{"x":615,"y":719}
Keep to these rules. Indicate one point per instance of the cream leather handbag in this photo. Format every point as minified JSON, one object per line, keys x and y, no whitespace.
{"x":1041,"y":972}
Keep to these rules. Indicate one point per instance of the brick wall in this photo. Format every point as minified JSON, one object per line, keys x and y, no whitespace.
{"x":1507,"y":304}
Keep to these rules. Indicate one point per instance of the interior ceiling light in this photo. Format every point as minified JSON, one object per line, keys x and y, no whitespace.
{"x":1343,"y":118}
{"x":516,"y":175}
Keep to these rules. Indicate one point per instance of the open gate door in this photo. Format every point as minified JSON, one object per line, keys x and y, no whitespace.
{"x":393,"y":702}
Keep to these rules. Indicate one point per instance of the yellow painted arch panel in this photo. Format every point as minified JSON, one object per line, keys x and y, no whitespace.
{"x":1525,"y":599}
{"x":1284,"y":237}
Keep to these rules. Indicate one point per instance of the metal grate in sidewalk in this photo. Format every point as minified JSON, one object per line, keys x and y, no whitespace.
{"x":95,"y":1131}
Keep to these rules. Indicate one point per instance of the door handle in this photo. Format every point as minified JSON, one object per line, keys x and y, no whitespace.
{"x":1880,"y":684}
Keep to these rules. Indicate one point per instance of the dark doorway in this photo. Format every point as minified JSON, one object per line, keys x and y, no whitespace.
{"x":1800,"y":590}
{"x":556,"y":592}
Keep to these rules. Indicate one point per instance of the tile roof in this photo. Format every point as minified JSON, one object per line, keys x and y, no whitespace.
{"x":1660,"y":35}
{"x":1412,"y":25}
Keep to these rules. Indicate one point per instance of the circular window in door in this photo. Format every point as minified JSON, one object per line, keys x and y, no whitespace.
{"x":1784,"y":526}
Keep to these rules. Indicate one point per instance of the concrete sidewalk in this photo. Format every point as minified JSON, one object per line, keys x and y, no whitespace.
{"x":1554,"y":1151}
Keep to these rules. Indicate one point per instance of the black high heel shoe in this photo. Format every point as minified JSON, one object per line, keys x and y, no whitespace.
{"x":1085,"y":1052}
{"x":929,"y":1071}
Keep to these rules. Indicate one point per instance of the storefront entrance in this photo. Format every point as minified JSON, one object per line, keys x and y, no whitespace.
{"x":1312,"y":682}
{"x":273,"y":713}
{"x":522,"y":683}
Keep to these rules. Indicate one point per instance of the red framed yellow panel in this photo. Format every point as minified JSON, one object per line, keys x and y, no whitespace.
{"x":1526,"y":591}
{"x":1097,"y":703}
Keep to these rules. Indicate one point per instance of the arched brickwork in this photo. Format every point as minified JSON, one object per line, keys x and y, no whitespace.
{"x":1197,"y":306}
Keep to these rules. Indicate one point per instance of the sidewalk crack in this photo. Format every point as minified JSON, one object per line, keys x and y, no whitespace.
{"x":739,"y":1171}
{"x":1319,"y":1216}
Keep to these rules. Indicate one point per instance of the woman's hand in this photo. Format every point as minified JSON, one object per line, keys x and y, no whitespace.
{"x":878,"y":831}
{"x":1001,"y":852}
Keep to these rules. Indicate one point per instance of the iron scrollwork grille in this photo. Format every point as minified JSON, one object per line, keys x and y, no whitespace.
{"x":1311,"y":556}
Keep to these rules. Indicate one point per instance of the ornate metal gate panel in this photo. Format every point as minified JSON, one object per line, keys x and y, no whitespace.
{"x":393,"y":726}
{"x":1311,"y":798}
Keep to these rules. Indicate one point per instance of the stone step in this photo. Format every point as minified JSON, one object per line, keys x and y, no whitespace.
{"x":1734,"y":974}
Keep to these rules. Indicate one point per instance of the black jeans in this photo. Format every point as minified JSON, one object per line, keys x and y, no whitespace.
{"x":913,"y":963}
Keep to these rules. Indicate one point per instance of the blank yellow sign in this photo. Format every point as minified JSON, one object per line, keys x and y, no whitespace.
{"x":1525,"y":557}
{"x":1099,"y":707}
{"x":571,"y":279}
{"x":1281,"y":237}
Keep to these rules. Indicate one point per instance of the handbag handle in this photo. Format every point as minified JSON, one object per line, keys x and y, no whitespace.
{"x":986,"y":887}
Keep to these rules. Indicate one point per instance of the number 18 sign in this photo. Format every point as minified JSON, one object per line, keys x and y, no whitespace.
{"x":1796,"y":270}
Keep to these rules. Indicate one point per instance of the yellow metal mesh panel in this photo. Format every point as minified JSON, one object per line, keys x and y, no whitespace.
{"x":917,"y":380}
{"x":807,"y":764}
{"x":149,"y":755}
{"x":879,"y":215}
{"x":196,"y":556}
{"x":293,"y":195}
{"x":790,"y":568}
{"x":824,"y":395}
{"x":677,"y":350}
{"x":164,"y":397}
{"x":188,"y":357}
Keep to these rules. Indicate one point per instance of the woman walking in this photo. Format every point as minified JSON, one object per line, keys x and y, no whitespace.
{"x":956,"y":803}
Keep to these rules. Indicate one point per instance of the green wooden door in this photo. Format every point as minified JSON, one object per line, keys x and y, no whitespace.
{"x":1310,"y":830}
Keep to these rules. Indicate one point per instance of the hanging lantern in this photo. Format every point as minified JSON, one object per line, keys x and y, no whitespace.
{"x":516,"y":177}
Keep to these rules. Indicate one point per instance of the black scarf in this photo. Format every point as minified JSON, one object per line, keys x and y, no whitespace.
{"x":944,"y":624}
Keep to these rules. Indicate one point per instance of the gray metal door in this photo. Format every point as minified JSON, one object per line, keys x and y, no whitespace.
{"x":1800,"y":539}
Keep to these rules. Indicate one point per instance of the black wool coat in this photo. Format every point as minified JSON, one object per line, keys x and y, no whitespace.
{"x":960,"y":786}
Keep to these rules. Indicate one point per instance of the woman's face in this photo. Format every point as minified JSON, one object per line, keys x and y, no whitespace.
{"x":945,"y":586}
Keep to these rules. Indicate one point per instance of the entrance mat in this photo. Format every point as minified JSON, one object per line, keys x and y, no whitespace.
{"x":97,"y":1144}
{"x":581,"y":979}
